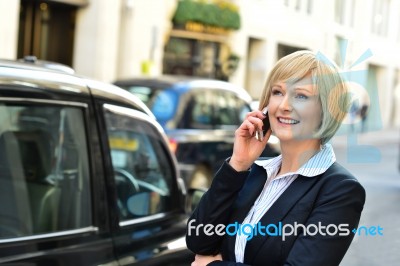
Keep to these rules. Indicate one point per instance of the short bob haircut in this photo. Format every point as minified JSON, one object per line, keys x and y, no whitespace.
{"x":332,"y":90}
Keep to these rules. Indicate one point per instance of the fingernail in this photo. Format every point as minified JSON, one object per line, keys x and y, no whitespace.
{"x":264,"y":111}
{"x":260,"y":135}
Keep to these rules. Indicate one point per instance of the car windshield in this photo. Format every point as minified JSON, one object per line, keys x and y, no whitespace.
{"x":161,"y":102}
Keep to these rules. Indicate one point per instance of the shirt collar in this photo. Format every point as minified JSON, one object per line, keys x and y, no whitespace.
{"x":316,"y":165}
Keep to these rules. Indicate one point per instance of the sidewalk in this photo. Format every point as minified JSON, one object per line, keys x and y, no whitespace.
{"x":384,"y":136}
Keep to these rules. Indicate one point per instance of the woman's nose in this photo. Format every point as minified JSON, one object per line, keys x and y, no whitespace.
{"x":286,"y":104}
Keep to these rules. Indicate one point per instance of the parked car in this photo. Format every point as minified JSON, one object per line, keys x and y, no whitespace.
{"x":86,"y":174}
{"x":200,"y":117}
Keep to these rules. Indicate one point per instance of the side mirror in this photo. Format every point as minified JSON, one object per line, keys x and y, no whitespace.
{"x":193,"y":197}
{"x":144,"y":203}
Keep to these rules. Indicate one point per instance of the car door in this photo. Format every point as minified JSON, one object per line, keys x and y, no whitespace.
{"x":48,"y":188}
{"x":149,"y":221}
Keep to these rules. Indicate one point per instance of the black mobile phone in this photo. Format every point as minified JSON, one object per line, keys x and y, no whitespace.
{"x":266,"y":125}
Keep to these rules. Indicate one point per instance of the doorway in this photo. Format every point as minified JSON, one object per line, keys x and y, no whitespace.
{"x":46,"y":30}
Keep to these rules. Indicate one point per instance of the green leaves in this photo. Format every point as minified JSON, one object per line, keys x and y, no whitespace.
{"x":219,"y":13}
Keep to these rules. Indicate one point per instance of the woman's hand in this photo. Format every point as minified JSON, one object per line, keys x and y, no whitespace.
{"x":202,"y":260}
{"x":246,"y":147}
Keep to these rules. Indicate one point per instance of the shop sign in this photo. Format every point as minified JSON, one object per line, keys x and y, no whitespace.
{"x":198,"y":27}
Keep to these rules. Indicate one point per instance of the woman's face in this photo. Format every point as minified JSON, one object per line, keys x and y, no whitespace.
{"x":295,"y":112}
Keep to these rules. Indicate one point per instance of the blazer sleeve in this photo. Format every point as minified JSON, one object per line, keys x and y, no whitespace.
{"x":340,"y":204}
{"x":214,"y":208}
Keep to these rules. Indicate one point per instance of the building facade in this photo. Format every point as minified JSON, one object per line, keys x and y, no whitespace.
{"x":108,"y":40}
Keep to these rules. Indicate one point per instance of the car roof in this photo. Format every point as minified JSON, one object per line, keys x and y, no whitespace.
{"x":57,"y":79}
{"x":159,"y":81}
{"x":30,"y":62}
{"x":184,"y":83}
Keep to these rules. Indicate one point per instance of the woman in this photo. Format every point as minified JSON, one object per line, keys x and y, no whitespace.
{"x":298,"y":208}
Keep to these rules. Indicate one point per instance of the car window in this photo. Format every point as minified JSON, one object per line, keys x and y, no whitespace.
{"x":142,"y":169}
{"x":199,"y":111}
{"x":44,"y":171}
{"x":226,"y":109}
{"x":163,"y":105}
{"x":143,"y":93}
{"x":161,"y":102}
{"x":244,"y":108}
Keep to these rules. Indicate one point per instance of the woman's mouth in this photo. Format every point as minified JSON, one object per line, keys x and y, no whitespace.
{"x":288,"y":121}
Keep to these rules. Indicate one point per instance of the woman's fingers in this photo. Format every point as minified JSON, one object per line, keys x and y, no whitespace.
{"x":267,"y":135}
{"x":246,"y":129}
{"x":203,"y":260}
{"x":252,"y":123}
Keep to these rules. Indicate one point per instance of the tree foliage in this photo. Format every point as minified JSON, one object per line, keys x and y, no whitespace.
{"x":219,"y":13}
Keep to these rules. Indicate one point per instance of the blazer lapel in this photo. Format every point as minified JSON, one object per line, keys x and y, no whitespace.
{"x":249,"y":193}
{"x":245,"y":200}
{"x":279,"y":210}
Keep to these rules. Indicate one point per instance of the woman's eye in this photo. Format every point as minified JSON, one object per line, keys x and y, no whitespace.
{"x":276,"y":92}
{"x":302,"y":96}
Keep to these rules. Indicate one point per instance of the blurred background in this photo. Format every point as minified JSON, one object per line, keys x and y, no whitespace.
{"x":239,"y":41}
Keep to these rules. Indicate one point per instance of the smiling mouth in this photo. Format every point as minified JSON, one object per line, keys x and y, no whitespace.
{"x":288,"y":121}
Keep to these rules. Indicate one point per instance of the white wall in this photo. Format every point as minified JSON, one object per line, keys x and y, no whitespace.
{"x":9,"y":20}
{"x":273,"y":23}
{"x":144,"y":28}
{"x":96,"y":40}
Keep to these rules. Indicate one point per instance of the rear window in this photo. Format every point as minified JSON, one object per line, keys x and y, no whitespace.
{"x":143,"y":93}
{"x":161,"y":102}
{"x":164,"y":105}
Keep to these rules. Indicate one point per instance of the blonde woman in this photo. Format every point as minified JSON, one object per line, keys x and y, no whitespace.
{"x":295,"y":209}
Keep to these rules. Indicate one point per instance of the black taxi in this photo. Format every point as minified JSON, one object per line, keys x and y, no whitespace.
{"x":86,"y":175}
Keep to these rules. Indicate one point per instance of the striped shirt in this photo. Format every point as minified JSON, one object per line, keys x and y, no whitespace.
{"x":275,"y":186}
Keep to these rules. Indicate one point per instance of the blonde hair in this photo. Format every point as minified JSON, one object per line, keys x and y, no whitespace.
{"x":332,"y":90}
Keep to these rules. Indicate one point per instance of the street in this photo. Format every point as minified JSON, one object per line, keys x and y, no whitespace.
{"x":376,"y":167}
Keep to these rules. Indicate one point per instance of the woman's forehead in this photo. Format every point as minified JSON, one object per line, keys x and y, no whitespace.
{"x":307,"y":82}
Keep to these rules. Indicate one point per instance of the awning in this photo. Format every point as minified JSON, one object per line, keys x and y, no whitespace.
{"x":72,"y":2}
{"x":198,"y":36}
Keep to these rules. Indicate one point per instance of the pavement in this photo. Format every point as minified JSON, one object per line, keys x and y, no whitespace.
{"x":378,"y":137}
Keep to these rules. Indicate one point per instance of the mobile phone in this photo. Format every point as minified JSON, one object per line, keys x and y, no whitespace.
{"x":266,"y":125}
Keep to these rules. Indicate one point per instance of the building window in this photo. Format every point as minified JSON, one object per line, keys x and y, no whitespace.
{"x":398,"y":31}
{"x":310,"y":4}
{"x":351,"y":12}
{"x":298,"y":5}
{"x":193,"y":57}
{"x":284,"y":50}
{"x":341,"y":45}
{"x":301,"y":6}
{"x":344,"y":12}
{"x":380,"y":17}
{"x":339,"y":11}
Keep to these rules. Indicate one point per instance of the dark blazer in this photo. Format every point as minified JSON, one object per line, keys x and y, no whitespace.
{"x":334,"y":197}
